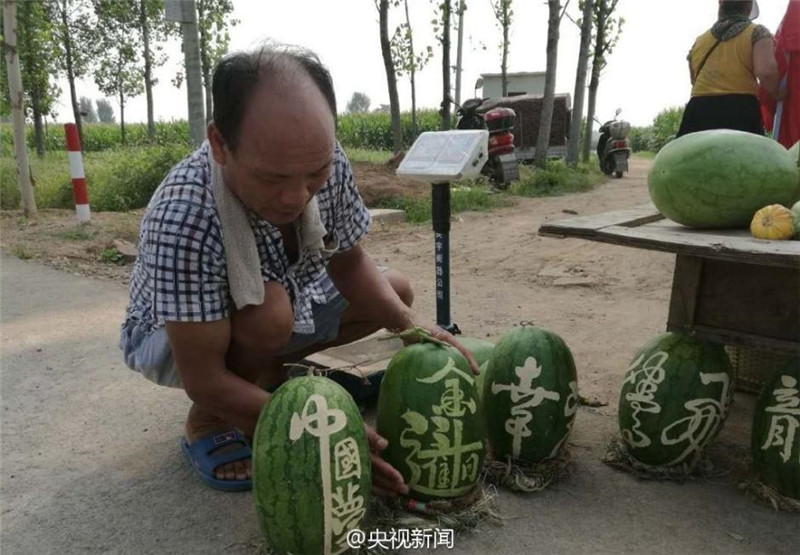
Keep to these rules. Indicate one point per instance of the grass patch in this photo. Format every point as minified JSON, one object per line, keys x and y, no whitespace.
{"x":556,"y":179}
{"x":645,"y":154}
{"x":21,"y":253}
{"x":118,"y":180}
{"x":465,"y":196}
{"x":112,"y":256}
{"x":80,"y":233}
{"x":370,"y":156}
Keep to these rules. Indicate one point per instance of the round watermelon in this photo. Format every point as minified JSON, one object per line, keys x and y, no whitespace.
{"x":776,"y":432}
{"x":530,"y":394}
{"x":482,"y":351}
{"x":675,"y":398}
{"x":428,"y":411}
{"x":720,"y":178}
{"x":794,"y":152}
{"x":311,"y":469}
{"x":796,"y":217}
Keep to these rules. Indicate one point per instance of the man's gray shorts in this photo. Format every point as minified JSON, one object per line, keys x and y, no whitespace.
{"x":151,"y":356}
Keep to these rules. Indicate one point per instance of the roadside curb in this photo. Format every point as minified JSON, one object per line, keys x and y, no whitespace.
{"x":387,"y":215}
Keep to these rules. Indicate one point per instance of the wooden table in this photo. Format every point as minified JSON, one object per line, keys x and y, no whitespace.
{"x":727,"y":286}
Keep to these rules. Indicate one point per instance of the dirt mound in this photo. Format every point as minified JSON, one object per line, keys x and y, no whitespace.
{"x":377,"y":182}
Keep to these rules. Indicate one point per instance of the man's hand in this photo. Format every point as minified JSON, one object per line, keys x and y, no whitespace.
{"x":438,"y":333}
{"x":386,"y":480}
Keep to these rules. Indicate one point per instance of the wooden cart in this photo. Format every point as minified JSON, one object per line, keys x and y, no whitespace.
{"x":727,"y":286}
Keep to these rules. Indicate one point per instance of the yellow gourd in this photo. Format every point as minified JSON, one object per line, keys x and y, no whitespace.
{"x":773,"y":222}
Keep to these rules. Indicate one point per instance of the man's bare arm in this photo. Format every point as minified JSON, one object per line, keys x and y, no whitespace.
{"x":199,"y":349}
{"x":358,"y":279}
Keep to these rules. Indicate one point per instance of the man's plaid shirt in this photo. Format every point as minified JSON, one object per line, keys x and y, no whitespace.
{"x":181,"y":274}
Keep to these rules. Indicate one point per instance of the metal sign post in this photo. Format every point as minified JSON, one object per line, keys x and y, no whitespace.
{"x":440,"y":208}
{"x":441,"y":158}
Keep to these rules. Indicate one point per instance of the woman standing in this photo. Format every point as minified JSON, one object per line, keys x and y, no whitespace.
{"x":726,"y":65}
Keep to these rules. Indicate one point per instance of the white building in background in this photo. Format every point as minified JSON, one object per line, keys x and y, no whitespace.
{"x":524,"y":82}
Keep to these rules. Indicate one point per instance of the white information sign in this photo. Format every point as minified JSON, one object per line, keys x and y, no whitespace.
{"x":444,"y":156}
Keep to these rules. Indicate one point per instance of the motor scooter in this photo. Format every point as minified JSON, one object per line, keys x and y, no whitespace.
{"x":613,"y":148}
{"x":501,"y":167}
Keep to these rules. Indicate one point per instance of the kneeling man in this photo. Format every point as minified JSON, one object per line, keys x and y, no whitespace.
{"x":272,"y":145}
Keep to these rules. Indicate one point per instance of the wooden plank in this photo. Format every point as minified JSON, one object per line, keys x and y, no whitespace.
{"x":685,"y":288}
{"x":587,"y":226}
{"x":747,"y":304}
{"x":732,"y":245}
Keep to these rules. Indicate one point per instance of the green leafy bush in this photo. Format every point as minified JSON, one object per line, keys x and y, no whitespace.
{"x":653,"y":138}
{"x":373,"y":131}
{"x":102,"y":136}
{"x":121,"y":179}
{"x":556,"y":179}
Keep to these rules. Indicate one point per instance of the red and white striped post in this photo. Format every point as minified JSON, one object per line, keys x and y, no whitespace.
{"x":79,"y":190}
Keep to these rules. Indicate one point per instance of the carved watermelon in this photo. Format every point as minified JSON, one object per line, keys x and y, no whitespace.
{"x":720,"y":178}
{"x":531,"y":394}
{"x":311,"y":467}
{"x":776,"y":432}
{"x":482,"y":351}
{"x":428,"y":410}
{"x":675,"y":398}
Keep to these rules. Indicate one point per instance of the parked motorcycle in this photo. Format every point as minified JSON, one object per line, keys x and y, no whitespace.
{"x":613,"y":148}
{"x":501,"y":167}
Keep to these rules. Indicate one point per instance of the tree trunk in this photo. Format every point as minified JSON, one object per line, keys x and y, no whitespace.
{"x":205,"y":62}
{"x":391,"y":78}
{"x":445,"y":111}
{"x":122,"y":114}
{"x":17,"y":97}
{"x":194,"y":80}
{"x":573,"y":147}
{"x":504,"y":66}
{"x":148,"y":71}
{"x":38,"y":126}
{"x":543,"y":141}
{"x":413,"y":77}
{"x":459,"y":50}
{"x":597,"y":67}
{"x":76,"y":112}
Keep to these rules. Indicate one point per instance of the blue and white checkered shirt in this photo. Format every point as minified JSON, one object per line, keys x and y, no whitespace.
{"x":181,"y":273}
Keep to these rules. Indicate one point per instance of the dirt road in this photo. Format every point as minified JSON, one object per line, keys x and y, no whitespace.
{"x":604,"y":300}
{"x":90,"y":458}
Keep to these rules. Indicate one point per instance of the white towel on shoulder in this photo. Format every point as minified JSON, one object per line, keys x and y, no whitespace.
{"x":244,"y":265}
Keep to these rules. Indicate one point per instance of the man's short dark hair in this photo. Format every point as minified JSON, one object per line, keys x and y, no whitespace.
{"x":237,"y":75}
{"x":735,"y":7}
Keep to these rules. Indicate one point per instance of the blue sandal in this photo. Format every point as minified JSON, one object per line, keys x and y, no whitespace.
{"x":203,"y":457}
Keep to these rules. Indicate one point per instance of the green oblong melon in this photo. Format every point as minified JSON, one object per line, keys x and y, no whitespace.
{"x":530,"y":395}
{"x":312,"y":475}
{"x":720,"y":178}
{"x":429,"y":412}
{"x":674,"y":399}
{"x":776,"y":432}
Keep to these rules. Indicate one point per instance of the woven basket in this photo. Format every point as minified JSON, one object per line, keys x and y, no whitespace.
{"x":753,"y":367}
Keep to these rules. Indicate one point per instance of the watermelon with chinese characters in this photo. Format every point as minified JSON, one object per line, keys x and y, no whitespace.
{"x":311,"y":467}
{"x":776,"y":432}
{"x":429,"y":412}
{"x":530,"y":395}
{"x":675,"y":397}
